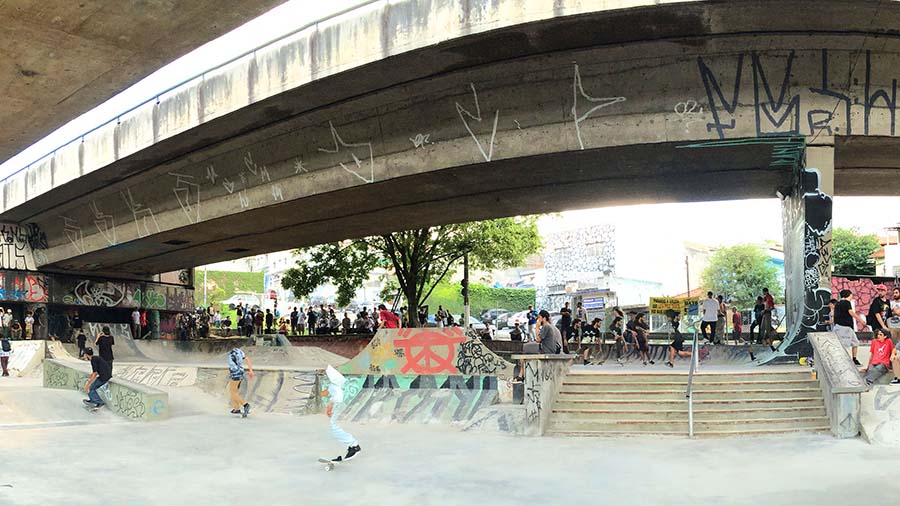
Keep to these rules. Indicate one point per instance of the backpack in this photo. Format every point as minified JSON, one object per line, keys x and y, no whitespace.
{"x":5,"y":345}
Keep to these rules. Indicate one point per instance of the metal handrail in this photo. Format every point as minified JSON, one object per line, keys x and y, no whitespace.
{"x":155,"y":96}
{"x":690,"y":385}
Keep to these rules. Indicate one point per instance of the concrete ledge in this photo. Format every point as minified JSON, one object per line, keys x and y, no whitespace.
{"x":544,"y":375}
{"x":555,"y":356}
{"x":840,"y":382}
{"x":125,"y":398}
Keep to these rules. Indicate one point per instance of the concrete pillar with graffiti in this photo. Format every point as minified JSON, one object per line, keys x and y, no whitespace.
{"x":806,"y":215}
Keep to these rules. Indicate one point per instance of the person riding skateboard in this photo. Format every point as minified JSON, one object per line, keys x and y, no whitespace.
{"x":239,"y":406}
{"x":335,"y":394}
{"x":101,"y":373}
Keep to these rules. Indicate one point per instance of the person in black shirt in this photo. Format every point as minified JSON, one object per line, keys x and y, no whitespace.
{"x":641,"y":333}
{"x":875,"y":318}
{"x":81,"y":339}
{"x":104,"y":343}
{"x":515,"y":334}
{"x":593,"y":333}
{"x":565,"y":326}
{"x":77,"y":324}
{"x":843,"y":323}
{"x":100,"y":375}
{"x":757,"y":318}
{"x":677,"y":348}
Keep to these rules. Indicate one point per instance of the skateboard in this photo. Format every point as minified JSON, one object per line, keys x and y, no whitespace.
{"x":329,"y":464}
{"x":89,"y":406}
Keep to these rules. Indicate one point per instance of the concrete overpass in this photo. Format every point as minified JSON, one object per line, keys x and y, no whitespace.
{"x":60,"y":58}
{"x":410,"y":113}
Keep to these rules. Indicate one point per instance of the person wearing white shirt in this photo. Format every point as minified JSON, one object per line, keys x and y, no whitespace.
{"x":710,"y":308}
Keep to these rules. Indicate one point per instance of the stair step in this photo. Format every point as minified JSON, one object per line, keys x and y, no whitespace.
{"x":576,"y":385}
{"x":712,"y":433}
{"x":709,"y":415}
{"x":699,"y":405}
{"x":603,"y":377}
{"x":567,"y":394}
{"x":663,"y":426}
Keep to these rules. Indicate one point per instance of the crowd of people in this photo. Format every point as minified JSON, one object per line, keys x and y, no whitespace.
{"x":884,"y":313}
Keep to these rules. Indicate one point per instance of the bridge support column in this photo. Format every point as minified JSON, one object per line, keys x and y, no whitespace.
{"x":806,"y":216}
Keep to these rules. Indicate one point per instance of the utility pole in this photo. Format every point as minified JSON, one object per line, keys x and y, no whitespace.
{"x":204,"y":286}
{"x":687,"y":270}
{"x":465,"y":291}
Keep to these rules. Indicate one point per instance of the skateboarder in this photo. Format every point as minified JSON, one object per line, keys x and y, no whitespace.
{"x":101,"y":373}
{"x":236,"y":359}
{"x":335,"y":404}
{"x":5,"y":351}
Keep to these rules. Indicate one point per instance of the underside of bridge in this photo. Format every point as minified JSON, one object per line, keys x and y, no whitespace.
{"x":61,"y":58}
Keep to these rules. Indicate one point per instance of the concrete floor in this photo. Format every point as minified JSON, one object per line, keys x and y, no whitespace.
{"x":201,"y":457}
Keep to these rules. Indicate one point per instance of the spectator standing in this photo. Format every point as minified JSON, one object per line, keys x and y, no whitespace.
{"x":29,"y":325}
{"x":7,"y":322}
{"x":769,"y":303}
{"x":311,"y":318}
{"x":881,"y":350}
{"x":5,"y":352}
{"x":388,"y":319}
{"x":135,"y":324}
{"x":875,"y":318}
{"x":294,"y":320}
{"x":831,"y":304}
{"x":721,"y":327}
{"x":258,"y":319}
{"x":532,"y":317}
{"x":580,"y":312}
{"x":346,"y":323}
{"x":441,"y":316}
{"x":710,"y":307}
{"x":270,"y":319}
{"x":757,"y":317}
{"x":565,"y":325}
{"x":893,"y":320}
{"x":844,"y":314}
{"x":737,"y":325}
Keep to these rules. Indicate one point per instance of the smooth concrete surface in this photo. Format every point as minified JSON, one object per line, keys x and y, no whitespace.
{"x":211,"y":458}
{"x":880,"y":415}
{"x":61,"y":58}
{"x":319,"y":137}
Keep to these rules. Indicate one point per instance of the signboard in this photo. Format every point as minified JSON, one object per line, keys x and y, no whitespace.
{"x":593,"y":303}
{"x":687,"y":306}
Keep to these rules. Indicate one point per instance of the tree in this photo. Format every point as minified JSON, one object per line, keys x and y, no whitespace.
{"x":418,"y":259}
{"x":740,"y":273}
{"x":851,"y":252}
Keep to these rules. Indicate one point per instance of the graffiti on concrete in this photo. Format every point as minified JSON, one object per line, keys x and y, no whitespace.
{"x":429,"y":351}
{"x":474,"y":358}
{"x":96,"y":293}
{"x":17,"y":286}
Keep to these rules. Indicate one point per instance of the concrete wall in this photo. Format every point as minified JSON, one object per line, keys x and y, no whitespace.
{"x":131,"y":400}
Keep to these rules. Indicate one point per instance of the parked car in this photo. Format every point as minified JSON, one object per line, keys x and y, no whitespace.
{"x":521,"y":318}
{"x":477,"y":325}
{"x":490,"y":315}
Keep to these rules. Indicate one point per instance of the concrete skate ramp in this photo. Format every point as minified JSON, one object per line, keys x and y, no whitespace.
{"x":25,"y":356}
{"x":879,"y":416}
{"x":272,"y":390}
{"x":425,"y":351}
{"x":32,"y":406}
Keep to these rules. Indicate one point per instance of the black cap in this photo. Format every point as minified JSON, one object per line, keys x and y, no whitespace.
{"x":89,"y":351}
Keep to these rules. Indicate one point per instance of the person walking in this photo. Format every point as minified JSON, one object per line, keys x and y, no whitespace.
{"x":81,"y":341}
{"x":104,"y":343}
{"x":5,"y":352}
{"x":335,"y":393}
{"x":101,"y":373}
{"x":844,"y":314}
{"x":236,"y":359}
{"x":710,"y":307}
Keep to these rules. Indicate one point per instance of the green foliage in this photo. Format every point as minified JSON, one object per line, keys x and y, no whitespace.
{"x":851,"y":252}
{"x":419,"y":259}
{"x":228,"y":283}
{"x":481,"y":297}
{"x":740,"y":273}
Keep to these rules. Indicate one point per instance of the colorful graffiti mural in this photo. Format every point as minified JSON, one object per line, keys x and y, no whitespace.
{"x":122,"y":294}
{"x":23,"y":287}
{"x":426,"y":351}
{"x":863,"y":289}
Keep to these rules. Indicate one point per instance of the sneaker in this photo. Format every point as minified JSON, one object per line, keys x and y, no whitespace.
{"x":587,"y":362}
{"x":352,"y":451}
{"x":652,"y":363}
{"x":338,"y":459}
{"x":752,"y":356}
{"x":856,"y":361}
{"x":86,"y":401}
{"x":246,"y":410}
{"x":895,"y":381}
{"x":645,"y":363}
{"x":235,"y":411}
{"x":670,"y":364}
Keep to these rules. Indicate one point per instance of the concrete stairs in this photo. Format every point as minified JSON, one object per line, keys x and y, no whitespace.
{"x":725,"y":404}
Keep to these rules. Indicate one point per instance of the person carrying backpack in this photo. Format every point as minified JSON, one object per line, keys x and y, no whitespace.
{"x":5,"y":351}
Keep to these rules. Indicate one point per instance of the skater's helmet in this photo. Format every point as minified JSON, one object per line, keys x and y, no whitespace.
{"x":334,"y":376}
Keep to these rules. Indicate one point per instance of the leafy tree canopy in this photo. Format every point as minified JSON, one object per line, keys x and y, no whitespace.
{"x":740,"y":273}
{"x":418,"y":259}
{"x":851,"y":252}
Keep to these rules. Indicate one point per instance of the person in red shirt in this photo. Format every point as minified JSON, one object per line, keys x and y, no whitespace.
{"x":880,"y":352}
{"x":388,"y":319}
{"x":737,"y":325}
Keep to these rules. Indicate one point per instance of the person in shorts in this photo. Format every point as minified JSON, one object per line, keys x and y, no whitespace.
{"x":880,"y":352}
{"x":844,"y":315}
{"x":641,"y":337}
{"x":677,"y":348}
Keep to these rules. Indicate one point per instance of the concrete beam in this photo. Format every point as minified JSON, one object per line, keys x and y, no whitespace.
{"x":59,"y":58}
